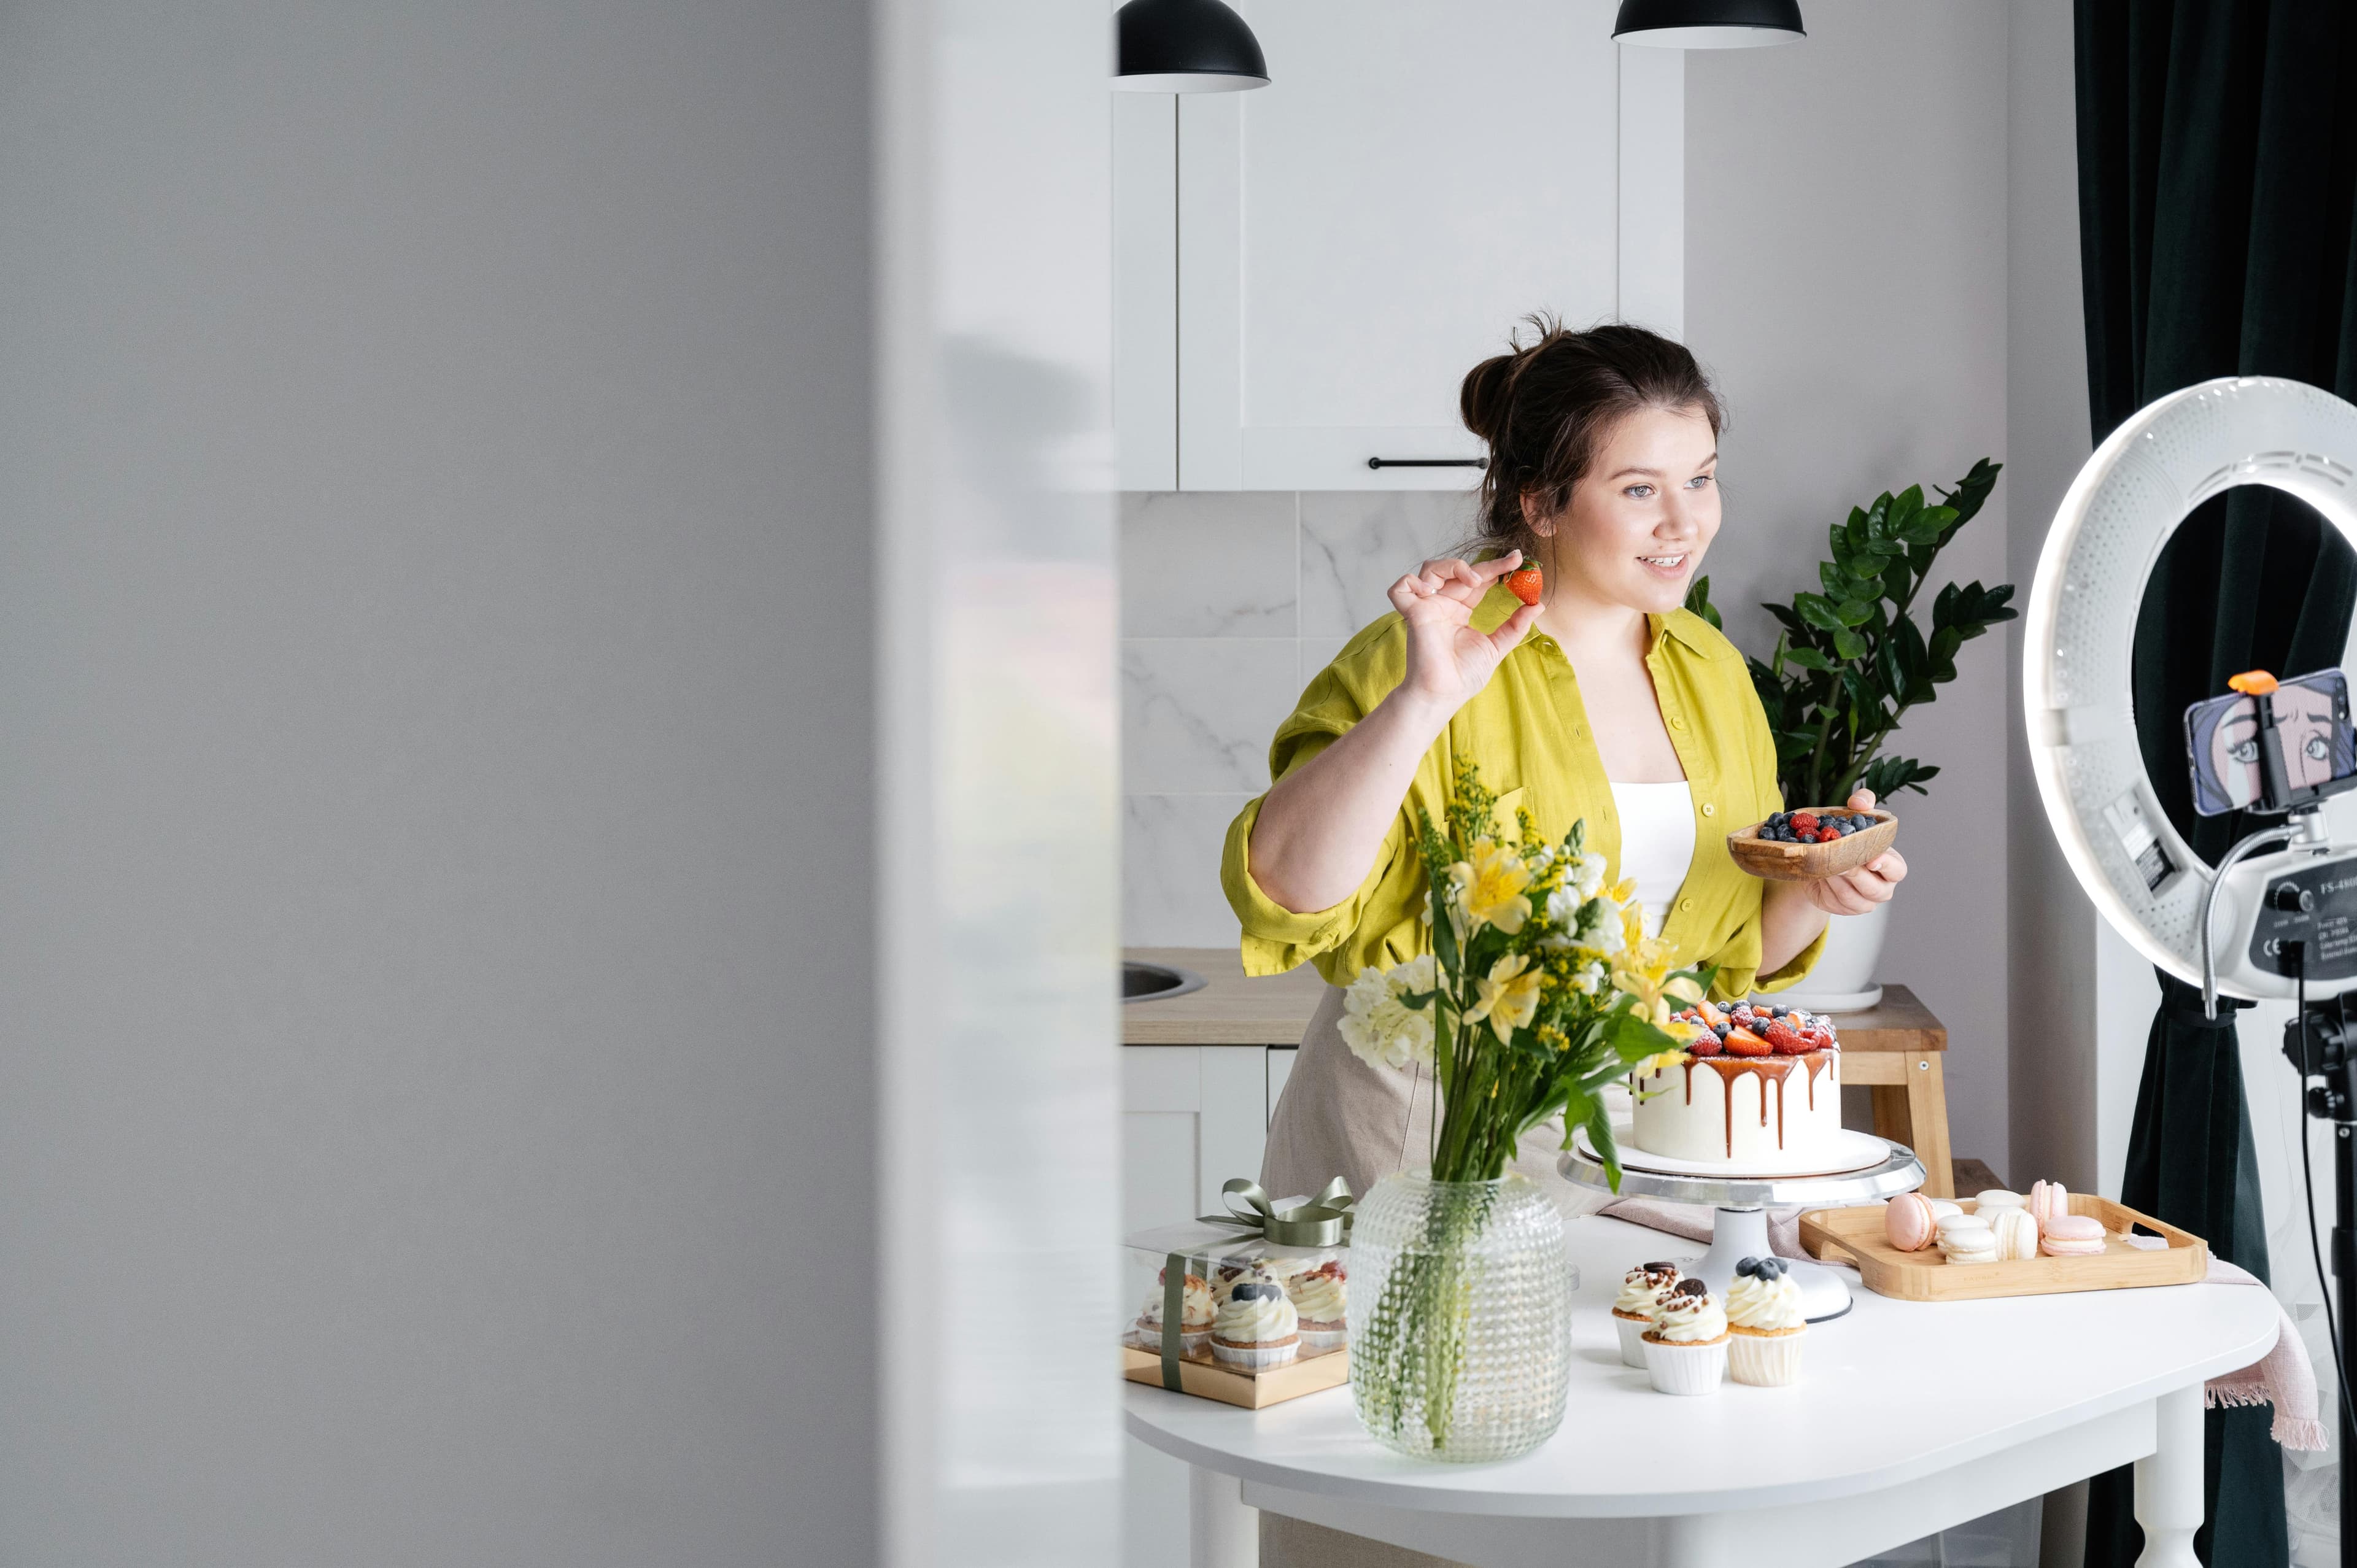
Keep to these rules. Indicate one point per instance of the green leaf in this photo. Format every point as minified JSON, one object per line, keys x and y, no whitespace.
{"x":1810,"y":658}
{"x":1698,"y":602}
{"x":1789,"y":619}
{"x":1849,"y":644}
{"x":1838,"y":583}
{"x":1929,"y":526}
{"x":1816,"y":611}
{"x":1855,"y":612}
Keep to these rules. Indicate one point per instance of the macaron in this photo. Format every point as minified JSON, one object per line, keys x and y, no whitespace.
{"x":1906,"y":1221}
{"x":2049,"y":1201}
{"x":1943,"y":1209}
{"x":2072,"y":1236}
{"x":1968,"y":1242}
{"x":1997,"y":1197}
{"x":2017,"y":1235}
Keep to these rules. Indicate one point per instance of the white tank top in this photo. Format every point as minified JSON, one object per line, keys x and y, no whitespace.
{"x":1657,"y":842}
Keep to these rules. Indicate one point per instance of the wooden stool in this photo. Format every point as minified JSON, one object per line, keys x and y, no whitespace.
{"x":1896,"y":1049}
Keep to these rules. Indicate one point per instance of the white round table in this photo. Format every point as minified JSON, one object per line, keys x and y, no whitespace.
{"x":1909,"y":1418}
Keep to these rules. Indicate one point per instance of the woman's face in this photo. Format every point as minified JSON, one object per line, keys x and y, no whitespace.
{"x":1641,"y":515}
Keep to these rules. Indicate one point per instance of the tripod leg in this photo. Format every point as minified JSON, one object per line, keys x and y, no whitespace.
{"x":2345,"y":1286}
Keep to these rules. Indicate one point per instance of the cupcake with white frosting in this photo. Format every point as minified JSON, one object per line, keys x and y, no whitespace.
{"x":1685,"y":1349}
{"x":1765,"y":1324}
{"x":1194,"y":1315}
{"x":1256,"y":1327}
{"x":1642,"y":1290}
{"x":1320,"y":1298}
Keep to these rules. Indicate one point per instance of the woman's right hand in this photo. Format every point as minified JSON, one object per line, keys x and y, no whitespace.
{"x":1448,"y":660}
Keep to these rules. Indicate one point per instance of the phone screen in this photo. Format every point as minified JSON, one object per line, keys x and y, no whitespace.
{"x":2312,"y":727}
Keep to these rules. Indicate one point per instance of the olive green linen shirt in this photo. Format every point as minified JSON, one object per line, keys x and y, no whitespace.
{"x":1528,"y":730}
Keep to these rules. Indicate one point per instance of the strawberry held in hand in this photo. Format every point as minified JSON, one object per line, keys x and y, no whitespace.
{"x":1525,"y":582}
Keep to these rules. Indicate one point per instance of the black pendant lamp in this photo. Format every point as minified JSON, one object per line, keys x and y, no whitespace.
{"x":1708,"y":24}
{"x":1184,"y":46}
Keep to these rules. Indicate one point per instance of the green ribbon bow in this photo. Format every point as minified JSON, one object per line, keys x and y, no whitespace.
{"x":1323,"y":1221}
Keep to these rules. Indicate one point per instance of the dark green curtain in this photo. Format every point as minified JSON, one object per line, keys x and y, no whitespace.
{"x":2217,"y":164}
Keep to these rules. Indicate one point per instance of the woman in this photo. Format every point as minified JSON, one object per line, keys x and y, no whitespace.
{"x":1607,"y":701}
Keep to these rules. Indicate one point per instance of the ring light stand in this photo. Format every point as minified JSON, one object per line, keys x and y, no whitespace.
{"x":2284,"y":899}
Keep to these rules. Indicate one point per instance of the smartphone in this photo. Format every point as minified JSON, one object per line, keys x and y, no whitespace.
{"x":2221,"y":741}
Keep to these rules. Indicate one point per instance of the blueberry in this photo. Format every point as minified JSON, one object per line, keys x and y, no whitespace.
{"x":1747,"y":1266}
{"x":1773,"y":1268}
{"x":1250,"y":1291}
{"x":1721,"y":1028}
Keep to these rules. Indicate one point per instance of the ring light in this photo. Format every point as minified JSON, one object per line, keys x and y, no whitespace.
{"x":2152,"y":471}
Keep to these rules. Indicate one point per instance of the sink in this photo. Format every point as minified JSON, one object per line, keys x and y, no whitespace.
{"x":1155,"y":982}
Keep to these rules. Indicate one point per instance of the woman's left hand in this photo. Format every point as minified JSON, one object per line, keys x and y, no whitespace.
{"x":1858,"y":892}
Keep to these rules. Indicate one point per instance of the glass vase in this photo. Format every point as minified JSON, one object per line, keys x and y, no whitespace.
{"x":1460,"y":1317}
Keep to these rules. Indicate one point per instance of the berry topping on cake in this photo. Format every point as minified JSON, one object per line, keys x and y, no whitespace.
{"x":1742,"y":1042}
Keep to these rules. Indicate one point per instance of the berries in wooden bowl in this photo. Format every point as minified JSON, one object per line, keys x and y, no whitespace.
{"x":1807,"y":846}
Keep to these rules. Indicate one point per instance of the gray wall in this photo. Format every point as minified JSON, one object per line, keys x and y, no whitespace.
{"x":434,"y":734}
{"x":1845,"y":222}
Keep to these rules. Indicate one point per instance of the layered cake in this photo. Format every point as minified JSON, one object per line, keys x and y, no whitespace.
{"x":1761,"y":1086}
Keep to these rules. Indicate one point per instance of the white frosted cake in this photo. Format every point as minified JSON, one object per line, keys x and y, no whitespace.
{"x":1763,"y":1088}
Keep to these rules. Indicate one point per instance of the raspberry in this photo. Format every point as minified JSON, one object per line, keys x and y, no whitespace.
{"x":1784,"y":1041}
{"x":1703,"y":1045}
{"x":1827,"y":835}
{"x":1803,"y":822}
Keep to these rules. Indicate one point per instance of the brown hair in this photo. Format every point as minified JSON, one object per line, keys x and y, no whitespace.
{"x":1545,"y":409}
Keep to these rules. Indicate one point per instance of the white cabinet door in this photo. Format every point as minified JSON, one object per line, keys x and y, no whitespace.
{"x":1192,"y":1116}
{"x":1355,"y":237}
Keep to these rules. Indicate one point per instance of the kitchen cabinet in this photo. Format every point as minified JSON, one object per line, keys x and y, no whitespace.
{"x":1304,"y":273}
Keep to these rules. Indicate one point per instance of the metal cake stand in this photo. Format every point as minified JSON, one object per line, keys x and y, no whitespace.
{"x":1739,"y":1227}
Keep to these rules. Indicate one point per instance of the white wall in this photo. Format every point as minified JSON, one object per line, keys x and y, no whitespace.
{"x":1846,"y":282}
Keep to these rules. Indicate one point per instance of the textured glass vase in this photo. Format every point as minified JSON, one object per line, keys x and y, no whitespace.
{"x":1460,"y":1317}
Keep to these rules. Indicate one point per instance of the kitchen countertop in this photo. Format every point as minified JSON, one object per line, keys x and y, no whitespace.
{"x":1231,"y":1009}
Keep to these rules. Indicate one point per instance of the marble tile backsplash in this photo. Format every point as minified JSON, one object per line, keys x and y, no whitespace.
{"x":1230,"y":602}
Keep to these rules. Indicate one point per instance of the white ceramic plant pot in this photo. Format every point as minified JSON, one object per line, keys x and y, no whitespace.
{"x":1843,"y":980}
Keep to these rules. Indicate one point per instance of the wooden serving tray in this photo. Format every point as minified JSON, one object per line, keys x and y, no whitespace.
{"x":1209,"y":1379}
{"x":1856,"y":1235}
{"x":1810,"y":862}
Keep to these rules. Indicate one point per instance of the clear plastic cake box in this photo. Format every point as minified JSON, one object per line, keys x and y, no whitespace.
{"x":1222,"y":1257}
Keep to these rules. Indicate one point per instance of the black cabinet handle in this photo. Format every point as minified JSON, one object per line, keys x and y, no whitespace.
{"x":1428,"y":463}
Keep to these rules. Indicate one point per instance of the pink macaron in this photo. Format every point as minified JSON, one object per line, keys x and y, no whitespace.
{"x":2072,"y":1236}
{"x":1906,"y":1221}
{"x":2049,"y":1201}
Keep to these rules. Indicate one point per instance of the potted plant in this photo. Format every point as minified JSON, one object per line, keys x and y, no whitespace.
{"x":1542,"y":990}
{"x":1850,"y":662}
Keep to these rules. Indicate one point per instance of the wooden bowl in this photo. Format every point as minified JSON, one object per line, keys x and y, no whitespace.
{"x":1775,"y":862}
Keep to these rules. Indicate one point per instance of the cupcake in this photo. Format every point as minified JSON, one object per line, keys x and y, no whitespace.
{"x":1642,"y":1290}
{"x":1320,"y":1300}
{"x":1194,"y":1320}
{"x":1685,"y":1350}
{"x":1257,"y":1328}
{"x":1765,"y":1324}
{"x":1252,"y":1270}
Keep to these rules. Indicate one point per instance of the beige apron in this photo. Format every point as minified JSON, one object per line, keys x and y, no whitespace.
{"x":1341,"y":1116}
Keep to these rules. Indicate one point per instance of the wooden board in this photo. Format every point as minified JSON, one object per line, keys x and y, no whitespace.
{"x":1811,"y":862}
{"x":1856,"y":1236}
{"x":1231,"y":1009}
{"x":1207,"y":1379}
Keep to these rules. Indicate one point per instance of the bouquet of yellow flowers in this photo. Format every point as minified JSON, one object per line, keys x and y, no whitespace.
{"x":1542,"y":988}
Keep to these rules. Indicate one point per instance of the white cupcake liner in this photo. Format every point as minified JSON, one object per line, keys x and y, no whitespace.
{"x":1764,"y":1361}
{"x":1632,"y":1339}
{"x":1687,"y":1368}
{"x":1258,"y":1358}
{"x":1191,"y":1341}
{"x":1332,"y":1339}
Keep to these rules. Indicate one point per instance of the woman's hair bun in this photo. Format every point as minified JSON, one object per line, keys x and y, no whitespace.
{"x":1482,"y":401}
